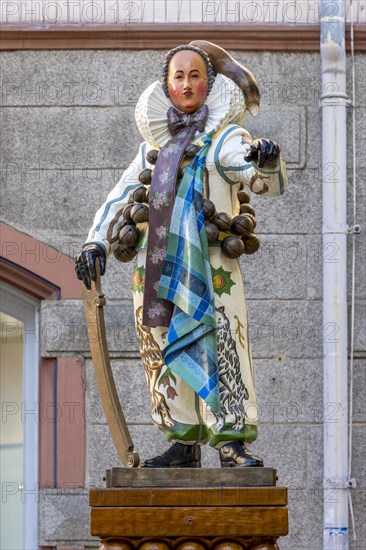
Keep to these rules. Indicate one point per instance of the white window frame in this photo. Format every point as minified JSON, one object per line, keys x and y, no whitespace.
{"x":25,"y":308}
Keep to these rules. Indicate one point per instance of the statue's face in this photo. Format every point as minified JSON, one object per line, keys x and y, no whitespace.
{"x":187,"y":81}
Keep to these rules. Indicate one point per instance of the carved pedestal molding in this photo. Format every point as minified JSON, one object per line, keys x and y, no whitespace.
{"x":189,"y":509}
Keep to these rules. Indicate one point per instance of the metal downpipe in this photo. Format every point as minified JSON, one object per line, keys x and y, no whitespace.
{"x":334,"y":173}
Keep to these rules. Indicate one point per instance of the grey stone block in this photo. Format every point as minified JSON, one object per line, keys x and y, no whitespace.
{"x":314,"y":133}
{"x":64,"y":328}
{"x":284,"y":125}
{"x":314,"y":267}
{"x":64,"y":517}
{"x":273,"y":444}
{"x":360,"y":134}
{"x":277,"y":270}
{"x":359,"y":507}
{"x":261,"y":65}
{"x":315,"y":456}
{"x":117,"y":281}
{"x":296,"y":79}
{"x":71,"y":197}
{"x":129,"y":376}
{"x":360,"y":328}
{"x":289,"y":391}
{"x":359,"y":456}
{"x":87,"y":77}
{"x":64,"y":137}
{"x":360,"y":71}
{"x":305,"y":520}
{"x":298,"y":211}
{"x":290,"y":328}
{"x":359,"y":390}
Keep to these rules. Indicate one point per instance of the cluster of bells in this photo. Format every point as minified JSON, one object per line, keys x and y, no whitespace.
{"x":240,"y":239}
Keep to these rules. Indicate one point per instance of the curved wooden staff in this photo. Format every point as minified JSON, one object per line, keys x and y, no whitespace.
{"x":94,"y":301}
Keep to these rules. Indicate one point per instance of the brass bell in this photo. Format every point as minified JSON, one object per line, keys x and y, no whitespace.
{"x":129,"y":235}
{"x":212,"y":233}
{"x":209,"y":209}
{"x":152,"y":156}
{"x":252,"y":218}
{"x":247,"y":209}
{"x":145,"y":176}
{"x":242,"y":225}
{"x":243,"y":197}
{"x":223,"y":221}
{"x":140,"y":213}
{"x":124,"y":253}
{"x":127,"y":213}
{"x":232,"y":247}
{"x":139,"y":194}
{"x":252,"y":244}
{"x":192,"y":150}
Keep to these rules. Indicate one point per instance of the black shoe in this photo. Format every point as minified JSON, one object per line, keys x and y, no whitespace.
{"x":177,"y":456}
{"x":235,"y":454}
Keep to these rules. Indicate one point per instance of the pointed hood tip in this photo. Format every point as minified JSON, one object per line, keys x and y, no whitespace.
{"x":225,"y":64}
{"x":253,"y":109}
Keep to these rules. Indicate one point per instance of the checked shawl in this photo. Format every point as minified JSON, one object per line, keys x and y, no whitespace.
{"x":186,"y":281}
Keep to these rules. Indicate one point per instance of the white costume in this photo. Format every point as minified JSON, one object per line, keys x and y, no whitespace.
{"x":177,"y":409}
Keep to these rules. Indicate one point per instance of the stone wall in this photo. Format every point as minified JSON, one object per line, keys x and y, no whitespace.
{"x":68,"y":132}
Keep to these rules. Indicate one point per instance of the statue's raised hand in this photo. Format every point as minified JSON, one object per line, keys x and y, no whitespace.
{"x":262,"y":152}
{"x":85,"y":263}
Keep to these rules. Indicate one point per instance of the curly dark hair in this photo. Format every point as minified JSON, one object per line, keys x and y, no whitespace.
{"x":210,"y":70}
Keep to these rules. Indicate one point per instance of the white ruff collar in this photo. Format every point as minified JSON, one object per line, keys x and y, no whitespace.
{"x":225,"y":104}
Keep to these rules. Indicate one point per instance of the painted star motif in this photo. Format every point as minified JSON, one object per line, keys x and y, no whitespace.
{"x":222,"y":281}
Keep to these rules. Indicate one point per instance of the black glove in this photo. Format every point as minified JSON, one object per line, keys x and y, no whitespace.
{"x":85,"y":263}
{"x":263,"y":151}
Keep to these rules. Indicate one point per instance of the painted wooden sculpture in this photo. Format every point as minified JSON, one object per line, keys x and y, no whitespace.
{"x":181,"y":212}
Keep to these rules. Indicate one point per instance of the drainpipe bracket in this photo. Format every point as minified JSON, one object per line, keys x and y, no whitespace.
{"x":352,"y":483}
{"x":331,"y":228}
{"x":341,"y":228}
{"x":337,"y":483}
{"x":356,"y":228}
{"x":337,"y":99}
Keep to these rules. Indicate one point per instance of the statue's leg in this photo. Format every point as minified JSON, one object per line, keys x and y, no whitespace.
{"x":237,"y":393}
{"x":175,"y":406}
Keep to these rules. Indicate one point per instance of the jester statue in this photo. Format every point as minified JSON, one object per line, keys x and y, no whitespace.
{"x":181,"y":211}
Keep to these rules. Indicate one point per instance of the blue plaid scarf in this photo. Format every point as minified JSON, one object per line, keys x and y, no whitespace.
{"x":186,"y":281}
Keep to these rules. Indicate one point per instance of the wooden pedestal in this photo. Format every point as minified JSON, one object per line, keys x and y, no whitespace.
{"x":184,"y":509}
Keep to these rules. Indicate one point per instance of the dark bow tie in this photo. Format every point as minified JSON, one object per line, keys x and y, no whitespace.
{"x":178,"y":120}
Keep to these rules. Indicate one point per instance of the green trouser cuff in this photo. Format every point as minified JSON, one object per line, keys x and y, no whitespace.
{"x":202,"y":434}
{"x":186,"y":432}
{"x":247,"y":435}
